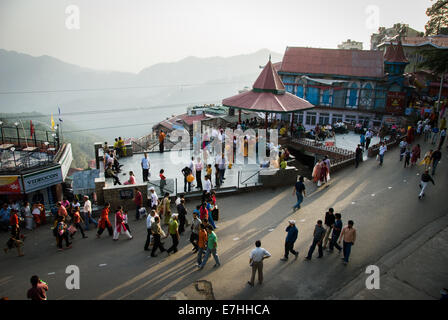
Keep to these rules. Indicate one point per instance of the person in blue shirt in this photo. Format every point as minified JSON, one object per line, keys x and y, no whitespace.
{"x":362,"y":139}
{"x":337,"y":227}
{"x":290,"y":239}
{"x":5,"y":214}
{"x":299,"y":191}
{"x":209,"y":208}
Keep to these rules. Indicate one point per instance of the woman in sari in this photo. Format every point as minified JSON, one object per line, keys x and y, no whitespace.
{"x":426,"y":159}
{"x":316,"y":171}
{"x":415,"y":154}
{"x":120,"y":225}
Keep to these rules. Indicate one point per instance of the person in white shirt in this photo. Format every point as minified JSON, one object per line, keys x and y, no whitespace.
{"x":149,"y":221}
{"x":383,"y":149}
{"x":88,"y":213}
{"x":403,"y":145}
{"x":257,"y":256}
{"x":369,"y":135}
{"x":154,"y":198}
{"x":28,"y":216}
{"x":145,"y":167}
{"x":198,"y":171}
{"x":207,"y":188}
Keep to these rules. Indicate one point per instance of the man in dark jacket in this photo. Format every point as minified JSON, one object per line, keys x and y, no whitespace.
{"x":435,"y":158}
{"x":290,"y":239}
{"x":358,"y":155}
{"x":186,"y":172}
{"x":424,"y":183}
{"x":337,"y":227}
{"x":318,"y":236}
{"x":329,"y":221}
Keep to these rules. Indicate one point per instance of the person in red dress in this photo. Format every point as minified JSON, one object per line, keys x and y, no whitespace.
{"x":104,"y":222}
{"x":120,"y":225}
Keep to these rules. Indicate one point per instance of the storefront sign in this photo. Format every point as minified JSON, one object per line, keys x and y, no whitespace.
{"x":10,"y":185}
{"x":126,"y":194}
{"x":42,"y":179}
{"x":66,"y":160}
{"x":395,"y":102}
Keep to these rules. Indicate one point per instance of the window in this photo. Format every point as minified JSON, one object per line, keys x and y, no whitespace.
{"x":325,"y":97}
{"x":300,"y":90}
{"x":337,"y":118}
{"x":300,"y":117}
{"x":350,"y":118}
{"x":312,"y":95}
{"x":366,"y":99}
{"x":352,"y":99}
{"x":339,"y":97}
{"x":289,"y":88}
{"x":324,"y":119}
{"x":311,"y":118}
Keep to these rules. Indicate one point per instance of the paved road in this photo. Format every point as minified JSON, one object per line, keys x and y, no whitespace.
{"x":381,"y":200}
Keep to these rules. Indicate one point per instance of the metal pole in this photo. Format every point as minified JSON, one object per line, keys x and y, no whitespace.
{"x":3,"y":135}
{"x":440,"y":92}
{"x":18,"y":136}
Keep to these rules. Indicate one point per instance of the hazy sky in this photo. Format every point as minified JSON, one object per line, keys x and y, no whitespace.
{"x":134,"y":34}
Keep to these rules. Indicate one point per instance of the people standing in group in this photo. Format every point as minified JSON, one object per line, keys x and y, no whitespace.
{"x":329,"y":223}
{"x":138,"y":200}
{"x":403,"y":145}
{"x":318,"y":236}
{"x":104,"y":221}
{"x":299,"y":191}
{"x":435,"y":158}
{"x":424,"y":183}
{"x":162,"y":141}
{"x":348,"y":235}
{"x":88,"y":213}
{"x":77,"y":223}
{"x":337,"y":228}
{"x":291,"y":238}
{"x":358,"y":155}
{"x":145,"y":167}
{"x":198,"y":169}
{"x":195,"y":227}
{"x":381,"y":152}
{"x":120,"y":226}
{"x":256,"y":258}
{"x":212,"y":247}
{"x":157,"y":233}
{"x":415,"y":154}
{"x":38,"y":290}
{"x":369,"y":135}
{"x":173,"y":230}
{"x":131,"y":179}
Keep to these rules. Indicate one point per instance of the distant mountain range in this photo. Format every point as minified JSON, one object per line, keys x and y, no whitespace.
{"x":73,"y":88}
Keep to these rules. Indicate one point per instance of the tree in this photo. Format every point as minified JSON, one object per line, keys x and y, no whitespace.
{"x":435,"y":60}
{"x":438,"y":17}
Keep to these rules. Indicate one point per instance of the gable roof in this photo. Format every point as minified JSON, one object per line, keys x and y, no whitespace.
{"x":354,"y":63}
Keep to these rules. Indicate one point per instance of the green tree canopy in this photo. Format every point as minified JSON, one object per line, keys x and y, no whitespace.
{"x":436,"y":60}
{"x":438,"y":18}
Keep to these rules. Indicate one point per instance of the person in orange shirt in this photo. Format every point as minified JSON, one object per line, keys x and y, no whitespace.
{"x":77,"y":223}
{"x":104,"y":222}
{"x":14,"y":223}
{"x":62,"y":211}
{"x":43,"y":218}
{"x":202,"y":243}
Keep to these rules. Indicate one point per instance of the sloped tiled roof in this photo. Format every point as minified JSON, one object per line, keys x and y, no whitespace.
{"x":395,"y":53}
{"x":354,"y":63}
{"x":269,"y":79}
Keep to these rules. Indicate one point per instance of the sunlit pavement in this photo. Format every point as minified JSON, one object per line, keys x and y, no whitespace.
{"x":382,"y":201}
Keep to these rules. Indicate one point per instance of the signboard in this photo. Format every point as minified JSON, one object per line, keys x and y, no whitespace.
{"x":395,"y":102}
{"x":10,"y":185}
{"x":329,"y":143}
{"x":42,"y":179}
{"x":408,"y":111}
{"x":66,"y":160}
{"x":126,"y":194}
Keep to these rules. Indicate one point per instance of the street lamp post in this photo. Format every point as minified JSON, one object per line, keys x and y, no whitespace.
{"x":1,"y":128}
{"x":18,"y":134}
{"x":14,"y":155}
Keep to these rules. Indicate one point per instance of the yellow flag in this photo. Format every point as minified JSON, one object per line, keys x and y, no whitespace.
{"x":52,"y":122}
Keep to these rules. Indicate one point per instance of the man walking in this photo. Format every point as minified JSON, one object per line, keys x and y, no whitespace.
{"x":202,"y":243}
{"x":212,"y":244}
{"x":318,"y":236}
{"x":435,"y":158}
{"x":88,"y":213}
{"x":198,"y":168}
{"x":195,"y":226}
{"x":424,"y":183}
{"x":442,"y":137}
{"x":337,"y":228}
{"x":291,"y":237}
{"x":138,"y":200}
{"x":348,"y":235}
{"x":358,"y":155}
{"x":149,"y":221}
{"x":145,"y":167}
{"x":383,"y":149}
{"x":369,"y":135}
{"x":329,"y":222}
{"x":403,"y":145}
{"x":257,"y":256}
{"x":173,"y":230}
{"x":299,"y":190}
{"x":157,"y":233}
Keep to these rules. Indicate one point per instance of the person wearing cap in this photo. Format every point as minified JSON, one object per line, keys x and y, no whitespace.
{"x":173,"y":230}
{"x":318,"y":236}
{"x":257,"y":256}
{"x":291,"y":237}
{"x":88,"y":213}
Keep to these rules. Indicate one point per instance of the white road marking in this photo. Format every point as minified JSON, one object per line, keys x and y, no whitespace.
{"x":50,"y":273}
{"x":389,"y":187}
{"x":235,"y":239}
{"x":373,"y":194}
{"x":353,"y":202}
{"x":270,"y":230}
{"x":404,"y":181}
{"x":102,"y":265}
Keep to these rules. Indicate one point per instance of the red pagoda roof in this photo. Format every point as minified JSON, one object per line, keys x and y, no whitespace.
{"x":395,"y":53}
{"x":269,"y":79}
